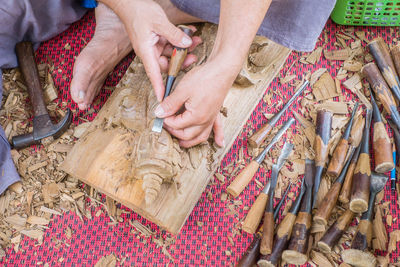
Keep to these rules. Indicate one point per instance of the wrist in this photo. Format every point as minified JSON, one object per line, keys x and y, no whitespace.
{"x":226,"y":66}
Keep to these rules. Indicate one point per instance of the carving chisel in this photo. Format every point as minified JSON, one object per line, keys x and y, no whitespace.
{"x":259,"y":136}
{"x":175,"y":64}
{"x":269,"y":222}
{"x":244,"y":177}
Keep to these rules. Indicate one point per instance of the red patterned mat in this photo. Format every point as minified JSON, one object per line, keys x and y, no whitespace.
{"x":207,"y":237}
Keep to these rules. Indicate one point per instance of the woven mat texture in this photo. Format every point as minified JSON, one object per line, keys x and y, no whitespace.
{"x":207,"y":237}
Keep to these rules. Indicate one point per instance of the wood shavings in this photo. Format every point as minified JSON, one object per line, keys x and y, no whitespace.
{"x":341,"y":54}
{"x":141,"y":228}
{"x":34,"y":234}
{"x":107,"y":261}
{"x":354,"y":85}
{"x":316,"y":74}
{"x":325,"y":87}
{"x":335,"y":107}
{"x":16,"y":220}
{"x":314,"y":56}
{"x":394,"y":237}
{"x":37,"y":220}
{"x":352,"y":65}
{"x":319,"y":259}
{"x":380,"y":236}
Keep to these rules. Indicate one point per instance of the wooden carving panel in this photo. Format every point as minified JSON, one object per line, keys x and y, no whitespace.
{"x":120,"y":156}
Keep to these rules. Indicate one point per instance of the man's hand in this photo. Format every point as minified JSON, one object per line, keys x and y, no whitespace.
{"x":201,"y":92}
{"x":151,"y":35}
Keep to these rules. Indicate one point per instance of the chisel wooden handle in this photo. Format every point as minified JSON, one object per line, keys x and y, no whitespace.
{"x":395,"y":52}
{"x":322,"y":136}
{"x":327,"y":204}
{"x":298,"y":245}
{"x":332,"y":236}
{"x":337,"y":161}
{"x":382,"y":149}
{"x":381,"y":142}
{"x":260,"y":135}
{"x":357,"y":131}
{"x":268,"y":233}
{"x":362,"y":238}
{"x":362,"y":173}
{"x":345,"y":192}
{"x":249,"y":258}
{"x":178,"y":54}
{"x":380,"y":52}
{"x":339,"y":156}
{"x":243,"y":179}
{"x":282,"y":236}
{"x":255,"y":214}
{"x":382,"y":92}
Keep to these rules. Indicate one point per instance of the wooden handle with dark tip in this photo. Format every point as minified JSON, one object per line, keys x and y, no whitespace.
{"x":362,"y":238}
{"x":382,"y":149}
{"x":395,"y":52}
{"x":380,"y":52}
{"x":361,"y":184}
{"x":251,"y":255}
{"x":382,"y":91}
{"x":345,"y":192}
{"x":281,"y":240}
{"x":328,"y":203}
{"x":243,"y":179}
{"x":268,"y":233}
{"x":332,"y":236}
{"x":255,"y":214}
{"x":357,"y":131}
{"x":361,"y":178}
{"x":260,"y":135}
{"x":178,"y":54}
{"x":298,"y":243}
{"x":27,"y":64}
{"x":338,"y":158}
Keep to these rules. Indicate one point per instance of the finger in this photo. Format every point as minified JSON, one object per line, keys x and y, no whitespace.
{"x":197,"y":140}
{"x":163,"y":61}
{"x":173,"y":34}
{"x":186,"y":134}
{"x":189,"y":60}
{"x":218,"y":129}
{"x":171,"y":104}
{"x":180,"y":121}
{"x":152,"y":67}
{"x":169,"y":48}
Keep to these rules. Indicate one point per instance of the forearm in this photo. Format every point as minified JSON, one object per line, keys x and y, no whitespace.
{"x":238,"y":24}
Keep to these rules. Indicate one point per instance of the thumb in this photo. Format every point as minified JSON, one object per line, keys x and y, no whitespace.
{"x":174,"y":35}
{"x":170,"y":105}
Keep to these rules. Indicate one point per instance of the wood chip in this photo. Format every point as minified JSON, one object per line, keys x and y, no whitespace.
{"x":325,"y":87}
{"x":335,"y":107}
{"x":16,"y":220}
{"x":107,"y":261}
{"x":394,"y":237}
{"x":352,"y":65}
{"x":319,"y":259}
{"x":51,"y":211}
{"x":341,"y":54}
{"x":37,"y":220}
{"x":314,"y":56}
{"x":354,"y":85}
{"x":34,"y":234}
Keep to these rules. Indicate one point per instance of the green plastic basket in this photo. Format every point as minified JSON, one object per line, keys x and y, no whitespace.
{"x":367,"y":12}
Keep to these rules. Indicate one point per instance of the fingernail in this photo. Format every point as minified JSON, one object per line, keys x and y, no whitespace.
{"x":159,"y":111}
{"x":186,"y":41}
{"x":81,"y":94}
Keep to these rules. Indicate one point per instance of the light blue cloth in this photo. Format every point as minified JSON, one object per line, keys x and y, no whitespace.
{"x":35,"y":21}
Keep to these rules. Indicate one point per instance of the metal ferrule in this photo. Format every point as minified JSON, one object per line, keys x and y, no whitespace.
{"x":266,"y":188}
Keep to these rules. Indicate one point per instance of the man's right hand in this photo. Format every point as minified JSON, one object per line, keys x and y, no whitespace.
{"x":152,"y":35}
